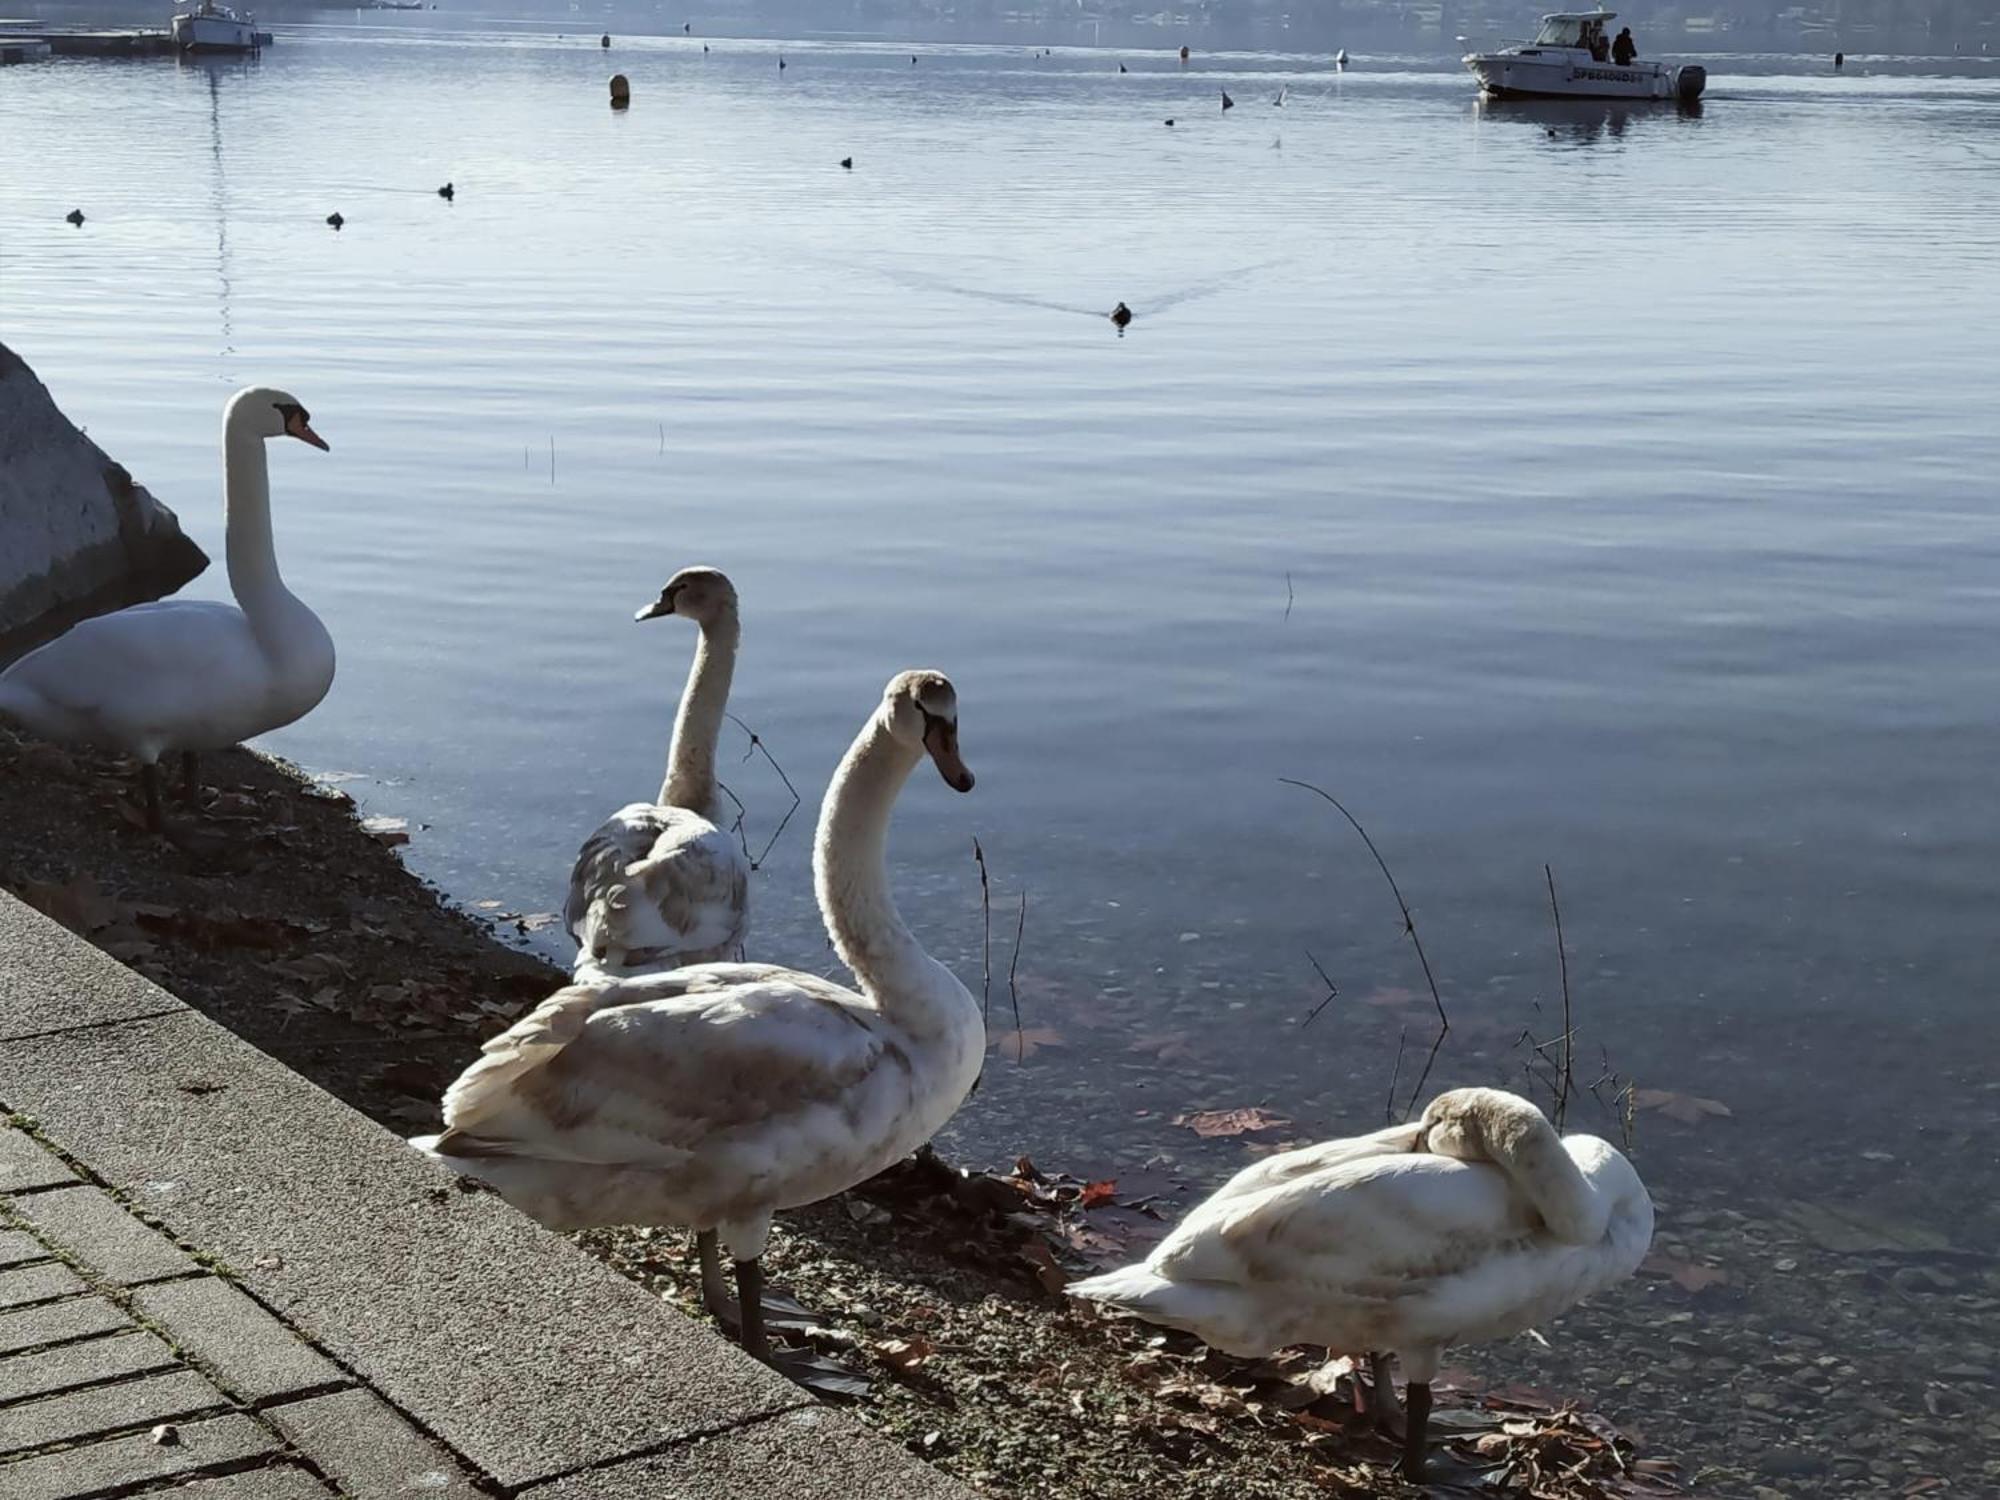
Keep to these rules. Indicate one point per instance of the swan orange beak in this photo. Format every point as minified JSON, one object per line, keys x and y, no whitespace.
{"x":297,"y":426}
{"x":941,"y":740}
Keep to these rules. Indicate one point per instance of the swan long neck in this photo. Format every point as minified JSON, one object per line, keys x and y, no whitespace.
{"x":690,"y":779}
{"x":851,"y":867}
{"x":1526,"y":1147}
{"x":246,"y":515}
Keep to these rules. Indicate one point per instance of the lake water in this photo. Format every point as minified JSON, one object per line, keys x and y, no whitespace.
{"x":1611,"y":488}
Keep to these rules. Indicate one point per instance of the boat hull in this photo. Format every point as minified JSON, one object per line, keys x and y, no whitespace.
{"x":1558,"y":75}
{"x":199,"y":33}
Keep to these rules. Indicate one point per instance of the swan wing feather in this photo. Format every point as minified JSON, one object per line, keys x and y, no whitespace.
{"x":657,"y":879}
{"x":652,"y":1070}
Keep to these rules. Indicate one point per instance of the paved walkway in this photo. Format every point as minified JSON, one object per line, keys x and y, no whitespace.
{"x":219,"y":1283}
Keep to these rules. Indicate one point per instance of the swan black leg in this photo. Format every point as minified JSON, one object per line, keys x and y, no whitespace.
{"x":750,"y":1302}
{"x":190,"y":777}
{"x":1417,"y":1419}
{"x":714,"y":1290}
{"x":1382,"y":1396}
{"x":149,"y":785}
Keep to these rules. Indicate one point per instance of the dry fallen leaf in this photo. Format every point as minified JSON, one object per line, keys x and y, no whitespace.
{"x":1215,"y":1122}
{"x":1022,"y":1045}
{"x":79,"y":905}
{"x":1689,"y":1109}
{"x":1685,"y":1274}
{"x":904,"y":1355}
{"x":1095,"y":1193}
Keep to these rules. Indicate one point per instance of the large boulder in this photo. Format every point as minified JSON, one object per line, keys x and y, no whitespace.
{"x":77,"y":536}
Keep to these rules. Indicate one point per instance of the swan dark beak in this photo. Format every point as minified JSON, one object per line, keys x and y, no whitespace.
{"x":941,"y":740}
{"x":301,"y":429}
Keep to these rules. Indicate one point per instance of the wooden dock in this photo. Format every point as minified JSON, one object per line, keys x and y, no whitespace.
{"x":32,"y":39}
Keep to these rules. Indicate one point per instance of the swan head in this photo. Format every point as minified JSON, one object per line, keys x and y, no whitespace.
{"x":265,"y":412}
{"x":1488,"y":1125}
{"x":703,"y":595}
{"x":920,"y":709}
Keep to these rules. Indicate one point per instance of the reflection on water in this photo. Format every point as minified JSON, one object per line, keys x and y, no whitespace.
{"x":1627,"y":509}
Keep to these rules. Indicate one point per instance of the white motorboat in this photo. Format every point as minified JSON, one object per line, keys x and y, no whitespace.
{"x":1570,"y":59}
{"x":210,"y":27}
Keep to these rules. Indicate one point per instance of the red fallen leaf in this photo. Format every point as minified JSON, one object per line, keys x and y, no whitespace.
{"x":904,"y":1355}
{"x":1390,"y":997}
{"x":1215,"y":1122}
{"x":1685,"y":1274}
{"x":1689,"y":1109}
{"x":1095,"y":1193}
{"x":1051,"y":1276}
{"x":79,"y":905}
{"x":1022,"y":1045}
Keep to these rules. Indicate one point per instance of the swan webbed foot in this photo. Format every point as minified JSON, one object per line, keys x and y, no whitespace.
{"x":1383,"y":1409}
{"x":750,"y":1309}
{"x":149,"y":787}
{"x":714,"y":1288}
{"x":190,"y":778}
{"x":1416,"y":1423}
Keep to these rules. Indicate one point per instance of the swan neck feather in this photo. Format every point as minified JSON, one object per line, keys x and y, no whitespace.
{"x":851,"y":866}
{"x":246,"y":520}
{"x":690,"y":780}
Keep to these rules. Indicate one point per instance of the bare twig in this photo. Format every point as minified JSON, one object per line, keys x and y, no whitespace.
{"x":1013,"y":994}
{"x":1332,"y":990}
{"x":1389,"y":1104}
{"x":985,"y":935}
{"x":1568,"y":1073}
{"x":757,"y":746}
{"x":1288,"y":596}
{"x":1409,"y":926}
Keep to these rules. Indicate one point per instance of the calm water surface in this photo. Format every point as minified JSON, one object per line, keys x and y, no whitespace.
{"x":1612,"y":489}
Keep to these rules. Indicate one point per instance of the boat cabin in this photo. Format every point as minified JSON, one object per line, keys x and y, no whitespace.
{"x":1582,"y":30}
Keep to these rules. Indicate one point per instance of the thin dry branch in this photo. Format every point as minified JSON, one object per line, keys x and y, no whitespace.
{"x":757,"y":746}
{"x":1013,"y":994}
{"x":1395,"y":1076}
{"x":1332,"y":990}
{"x":1568,"y":1074}
{"x":985,"y":935}
{"x":1409,"y":927}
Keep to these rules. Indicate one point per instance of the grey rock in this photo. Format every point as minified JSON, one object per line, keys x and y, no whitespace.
{"x":88,"y":1225}
{"x":54,"y":1370}
{"x":38,"y":1284}
{"x":814,"y":1454}
{"x":82,"y":1414}
{"x":361,"y":1444}
{"x":51,"y":980}
{"x":17,"y":1249}
{"x":25,"y":1164}
{"x":250,"y":1352}
{"x":56,"y":1322}
{"x":81,"y":536}
{"x":123,"y":1463}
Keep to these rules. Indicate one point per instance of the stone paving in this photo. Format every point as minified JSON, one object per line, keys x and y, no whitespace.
{"x":219,"y":1283}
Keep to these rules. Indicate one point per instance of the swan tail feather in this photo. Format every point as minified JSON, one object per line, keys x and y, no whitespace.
{"x":488,"y":1086}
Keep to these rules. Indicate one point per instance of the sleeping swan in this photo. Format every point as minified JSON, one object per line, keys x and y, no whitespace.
{"x":1476,"y":1222}
{"x":661,"y":884}
{"x":715,"y":1095}
{"x":191,"y":674}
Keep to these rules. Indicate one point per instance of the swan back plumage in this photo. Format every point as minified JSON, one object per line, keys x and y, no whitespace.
{"x":1374,"y":1247}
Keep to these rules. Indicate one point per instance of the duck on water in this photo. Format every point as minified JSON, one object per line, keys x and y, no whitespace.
{"x":1571,"y":59}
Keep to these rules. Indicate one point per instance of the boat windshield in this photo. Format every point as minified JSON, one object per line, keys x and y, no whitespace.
{"x":1568,"y":31}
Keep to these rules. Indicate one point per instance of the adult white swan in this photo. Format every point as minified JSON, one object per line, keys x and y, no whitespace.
{"x":188,"y":674}
{"x":713,"y":1096}
{"x":661,"y":884}
{"x":1476,"y":1222}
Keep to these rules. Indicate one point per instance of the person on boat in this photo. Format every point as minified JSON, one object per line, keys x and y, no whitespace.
{"x":1624,"y":49}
